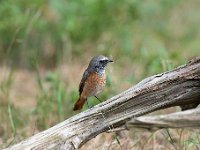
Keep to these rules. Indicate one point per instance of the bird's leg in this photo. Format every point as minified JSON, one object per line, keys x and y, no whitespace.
{"x":98,"y":98}
{"x":88,"y":104}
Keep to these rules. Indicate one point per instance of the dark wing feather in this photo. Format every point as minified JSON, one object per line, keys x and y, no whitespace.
{"x":82,"y":83}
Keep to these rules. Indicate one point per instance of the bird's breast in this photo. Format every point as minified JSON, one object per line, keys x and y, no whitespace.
{"x":94,"y":84}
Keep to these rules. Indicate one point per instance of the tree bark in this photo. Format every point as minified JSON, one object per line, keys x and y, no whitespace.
{"x":184,"y":119}
{"x":173,"y":88}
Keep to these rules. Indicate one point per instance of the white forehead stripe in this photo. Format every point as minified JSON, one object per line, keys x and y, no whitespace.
{"x":104,"y":58}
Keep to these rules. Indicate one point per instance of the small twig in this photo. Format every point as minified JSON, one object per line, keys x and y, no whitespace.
{"x":171,"y":140}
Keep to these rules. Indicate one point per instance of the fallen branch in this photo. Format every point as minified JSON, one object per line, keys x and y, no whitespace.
{"x":183,"y":119}
{"x":178,"y":87}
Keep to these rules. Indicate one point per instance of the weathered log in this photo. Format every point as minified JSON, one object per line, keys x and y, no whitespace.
{"x":178,"y":87}
{"x":183,"y":119}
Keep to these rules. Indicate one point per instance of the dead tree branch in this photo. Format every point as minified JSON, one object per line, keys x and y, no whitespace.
{"x":183,"y":119}
{"x":173,"y":88}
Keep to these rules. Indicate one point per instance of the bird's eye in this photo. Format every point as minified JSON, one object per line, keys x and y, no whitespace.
{"x":101,"y":61}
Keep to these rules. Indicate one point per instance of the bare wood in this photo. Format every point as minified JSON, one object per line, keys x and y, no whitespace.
{"x":183,"y":119}
{"x":178,"y":87}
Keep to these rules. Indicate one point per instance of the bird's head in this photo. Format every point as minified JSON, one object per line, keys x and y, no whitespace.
{"x":98,"y":63}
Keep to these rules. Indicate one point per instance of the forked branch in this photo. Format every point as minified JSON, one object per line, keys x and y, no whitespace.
{"x":180,"y":86}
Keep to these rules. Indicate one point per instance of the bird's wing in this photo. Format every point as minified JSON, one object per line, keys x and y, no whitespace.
{"x":82,"y":83}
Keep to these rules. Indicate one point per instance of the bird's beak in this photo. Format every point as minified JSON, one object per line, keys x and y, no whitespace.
{"x":110,"y":60}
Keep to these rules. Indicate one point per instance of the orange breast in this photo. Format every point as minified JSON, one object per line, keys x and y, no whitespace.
{"x":93,"y":85}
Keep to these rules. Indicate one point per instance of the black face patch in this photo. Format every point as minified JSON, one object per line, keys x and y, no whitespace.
{"x":105,"y":61}
{"x":101,"y":61}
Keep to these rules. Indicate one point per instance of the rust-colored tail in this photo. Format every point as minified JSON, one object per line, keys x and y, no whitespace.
{"x":79,"y":103}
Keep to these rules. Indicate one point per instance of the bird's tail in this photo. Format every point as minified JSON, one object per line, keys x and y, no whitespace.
{"x":79,"y":103}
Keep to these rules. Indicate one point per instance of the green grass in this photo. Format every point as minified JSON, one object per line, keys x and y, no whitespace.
{"x":44,"y":46}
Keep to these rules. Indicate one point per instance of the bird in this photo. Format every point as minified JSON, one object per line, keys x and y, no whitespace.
{"x":93,"y":80}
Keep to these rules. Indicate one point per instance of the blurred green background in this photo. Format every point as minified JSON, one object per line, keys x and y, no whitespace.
{"x":45,"y":46}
